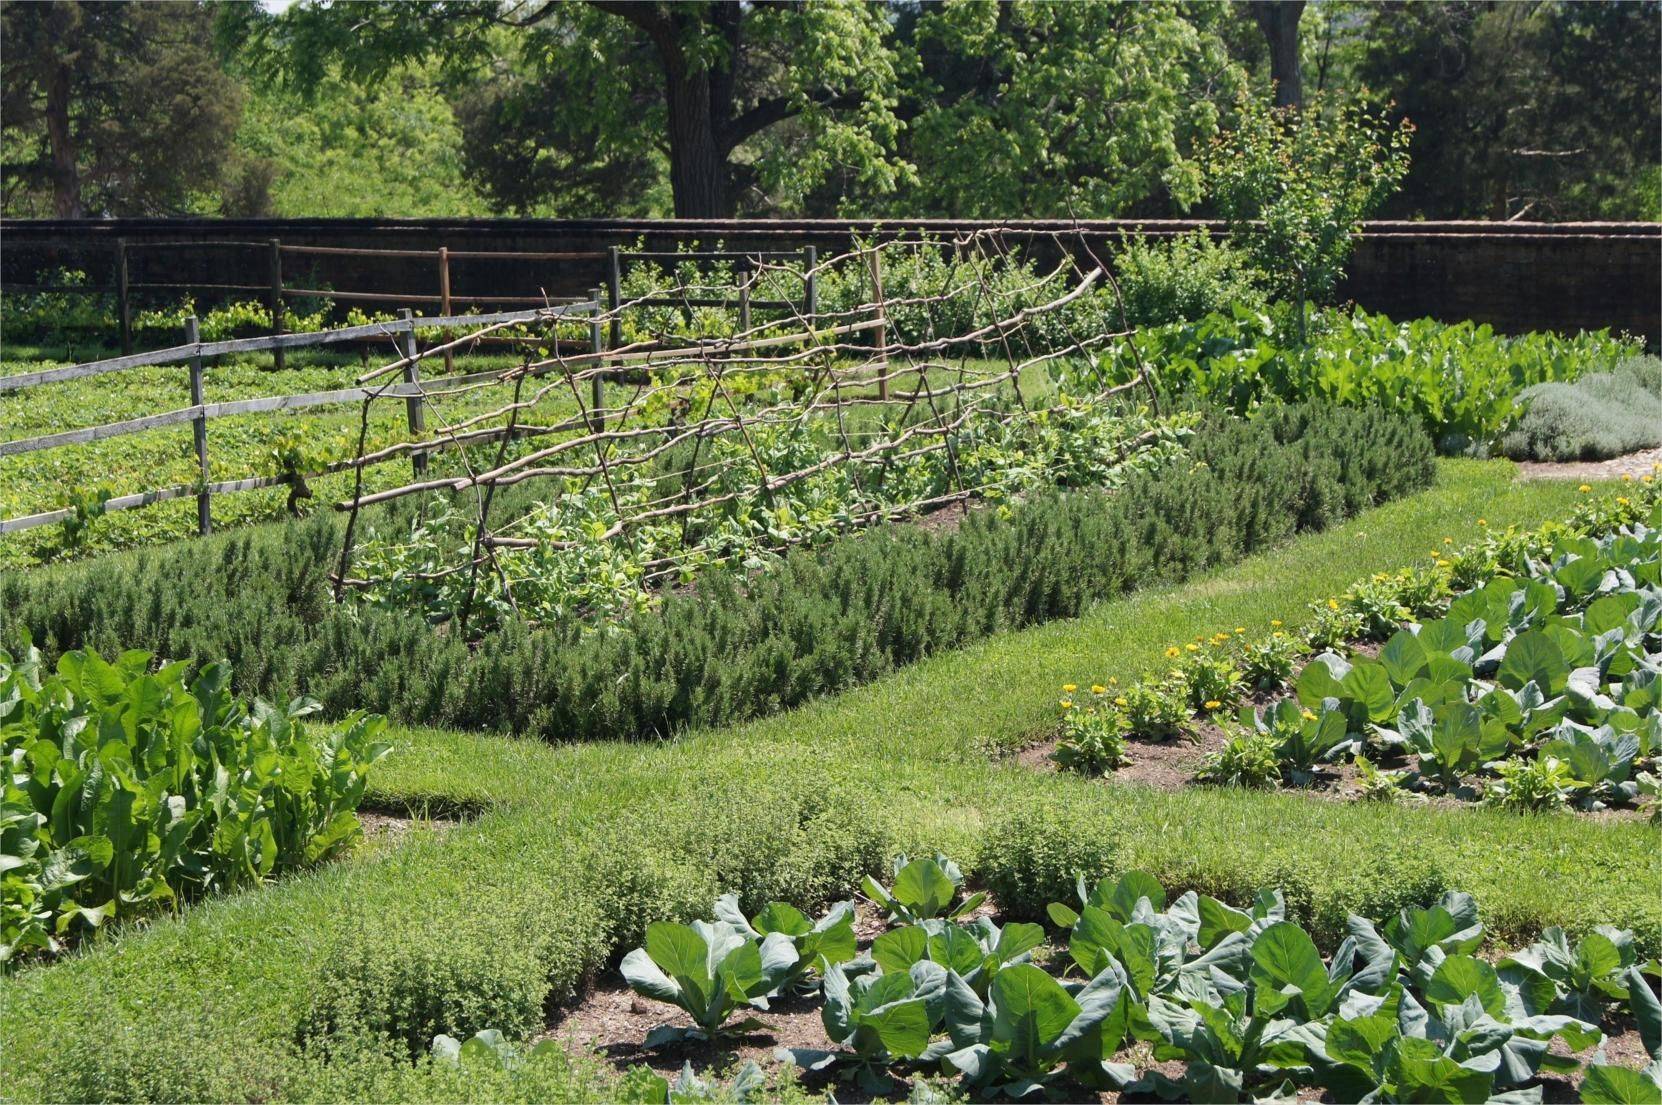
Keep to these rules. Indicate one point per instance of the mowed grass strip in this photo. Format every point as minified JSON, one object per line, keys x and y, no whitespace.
{"x":325,"y":985}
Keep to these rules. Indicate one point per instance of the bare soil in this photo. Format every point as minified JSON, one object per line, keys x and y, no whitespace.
{"x":1643,"y":463}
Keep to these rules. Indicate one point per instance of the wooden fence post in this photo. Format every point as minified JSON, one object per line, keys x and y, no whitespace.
{"x":597,"y":383}
{"x":882,"y":324}
{"x":199,"y":431}
{"x":276,"y":267}
{"x":444,"y":302}
{"x":744,"y":297}
{"x":125,"y":300}
{"x":810,"y":258}
{"x":414,"y":408}
{"x":614,"y":285}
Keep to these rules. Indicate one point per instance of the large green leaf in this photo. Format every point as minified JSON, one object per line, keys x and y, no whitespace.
{"x":1031,"y":1011}
{"x":1607,"y":1084}
{"x":1534,"y":657}
{"x":1286,"y":966}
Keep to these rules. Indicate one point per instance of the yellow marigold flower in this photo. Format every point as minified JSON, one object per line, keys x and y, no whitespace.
{"x":1212,"y":704}
{"x":1622,"y":499}
{"x":1584,"y":488}
{"x":1067,"y":703}
{"x":1174,"y":652}
{"x":1644,"y":479}
{"x":1278,"y":633}
{"x":1192,"y":647}
{"x":1120,"y":701}
{"x":1627,"y":477}
{"x":1483,"y":521}
{"x":1069,"y":688}
{"x":1240,"y":629}
{"x":1309,"y":715}
{"x":1333,"y":604}
{"x":1275,"y":622}
{"x":1098,"y":688}
{"x":1113,"y":681}
{"x":1448,"y":540}
{"x":1443,"y":563}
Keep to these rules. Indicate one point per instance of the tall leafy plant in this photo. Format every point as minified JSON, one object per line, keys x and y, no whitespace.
{"x":1295,"y":185}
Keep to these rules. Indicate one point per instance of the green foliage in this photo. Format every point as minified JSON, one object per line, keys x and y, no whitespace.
{"x":1295,"y":183}
{"x":1183,"y":279}
{"x":1247,"y":759}
{"x":1092,"y":741}
{"x":1597,"y":416}
{"x":822,"y":619}
{"x":924,"y":889}
{"x":708,"y":971}
{"x":118,"y":110}
{"x":1060,"y":110}
{"x":127,"y":788}
{"x":1461,"y":382}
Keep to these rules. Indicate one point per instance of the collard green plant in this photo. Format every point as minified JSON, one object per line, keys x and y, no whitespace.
{"x":923,"y":889}
{"x":128,"y":788}
{"x":878,"y":1018}
{"x":820,"y":945}
{"x":708,"y":971}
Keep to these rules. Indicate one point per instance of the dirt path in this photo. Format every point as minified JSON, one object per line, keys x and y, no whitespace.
{"x":1646,"y":462}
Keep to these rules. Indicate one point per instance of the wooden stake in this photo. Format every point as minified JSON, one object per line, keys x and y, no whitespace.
{"x":276,"y":267}
{"x":199,"y":432}
{"x":414,"y":406}
{"x":444,"y":303}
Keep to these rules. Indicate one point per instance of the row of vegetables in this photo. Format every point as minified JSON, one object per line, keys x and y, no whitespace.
{"x":1132,"y":983}
{"x":602,"y":549}
{"x":128,"y":790}
{"x":1524,"y":671}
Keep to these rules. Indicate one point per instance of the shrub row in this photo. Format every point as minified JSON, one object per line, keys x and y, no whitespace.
{"x":737,"y":648}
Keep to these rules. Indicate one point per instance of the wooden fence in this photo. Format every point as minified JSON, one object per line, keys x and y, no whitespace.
{"x":407,"y":384}
{"x":264,"y":273}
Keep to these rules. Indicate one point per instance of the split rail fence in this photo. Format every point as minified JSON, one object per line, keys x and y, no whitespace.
{"x":275,"y":284}
{"x":194,"y":353}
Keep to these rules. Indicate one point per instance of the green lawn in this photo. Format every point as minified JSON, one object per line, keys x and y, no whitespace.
{"x":323,"y":984}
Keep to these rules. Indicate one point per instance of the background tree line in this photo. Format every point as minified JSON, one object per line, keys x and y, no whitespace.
{"x":1536,"y":109}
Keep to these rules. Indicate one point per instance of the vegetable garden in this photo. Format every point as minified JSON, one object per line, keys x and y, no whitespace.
{"x":1350,"y":792}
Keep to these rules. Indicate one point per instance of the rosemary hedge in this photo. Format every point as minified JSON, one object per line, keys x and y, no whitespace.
{"x":737,"y":647}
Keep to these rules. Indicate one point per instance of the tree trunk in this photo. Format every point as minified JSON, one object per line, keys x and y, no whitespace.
{"x":1278,"y":19}
{"x":699,"y":175}
{"x":66,"y":180}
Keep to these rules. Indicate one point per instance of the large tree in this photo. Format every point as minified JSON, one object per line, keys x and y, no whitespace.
{"x":726,"y":72}
{"x":1042,"y":109}
{"x":112,"y":108}
{"x":1539,"y":110}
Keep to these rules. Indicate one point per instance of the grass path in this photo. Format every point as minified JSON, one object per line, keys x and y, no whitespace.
{"x":487,"y":923}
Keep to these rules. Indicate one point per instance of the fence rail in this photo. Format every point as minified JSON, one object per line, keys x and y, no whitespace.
{"x":199,"y":413}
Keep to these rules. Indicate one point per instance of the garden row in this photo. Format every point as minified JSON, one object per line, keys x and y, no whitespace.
{"x":1528,"y":660}
{"x":1241,"y":997}
{"x":742,"y":646}
{"x":328,"y":986}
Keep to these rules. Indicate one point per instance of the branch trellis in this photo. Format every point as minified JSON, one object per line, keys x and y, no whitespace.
{"x":879,"y":389}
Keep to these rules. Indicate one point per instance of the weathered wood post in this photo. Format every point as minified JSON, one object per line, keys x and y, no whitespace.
{"x":444,"y":302}
{"x":597,"y":384}
{"x":614,"y":288}
{"x":276,"y":275}
{"x":414,"y":408}
{"x":876,"y":258}
{"x":810,"y":259}
{"x":744,"y":296}
{"x":199,"y":431}
{"x":123,"y":294}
